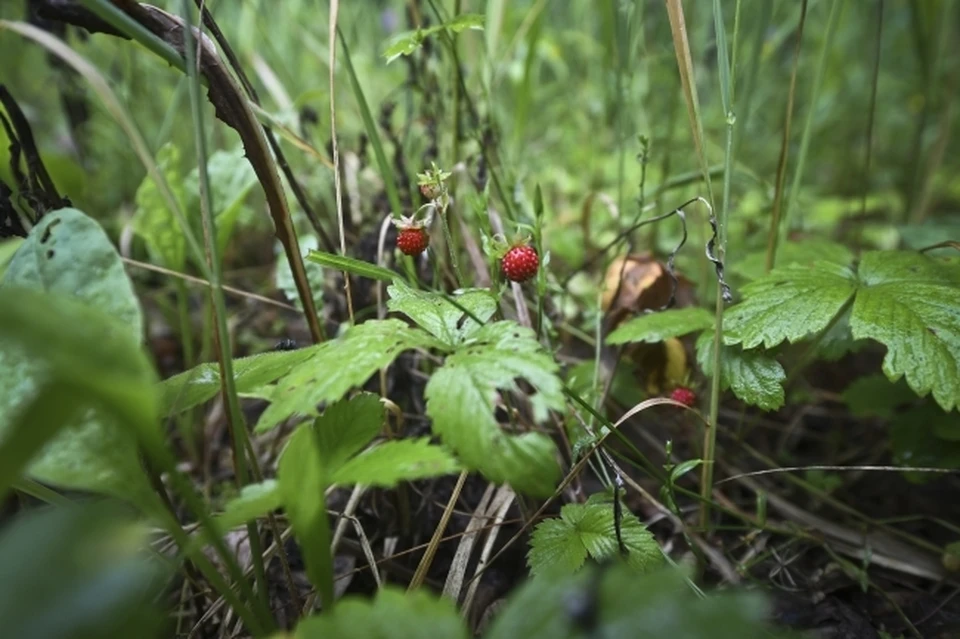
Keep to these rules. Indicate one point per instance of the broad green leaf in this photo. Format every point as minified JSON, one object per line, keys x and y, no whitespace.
{"x":200,"y":383}
{"x":153,"y":221}
{"x":352,"y":266}
{"x":254,"y":501}
{"x":338,"y":365}
{"x":790,"y":304}
{"x":560,"y":546}
{"x":315,"y":276}
{"x":460,"y":401}
{"x":614,"y":601}
{"x":8,"y":247}
{"x":438,"y":315}
{"x":803,"y":253}
{"x":231,"y":179}
{"x":77,"y":573}
{"x":656,"y":327}
{"x":392,"y":614}
{"x":300,"y":474}
{"x":911,"y":304}
{"x":69,"y":256}
{"x":877,"y":396}
{"x":754,"y":377}
{"x":346,"y":427}
{"x":392,"y":462}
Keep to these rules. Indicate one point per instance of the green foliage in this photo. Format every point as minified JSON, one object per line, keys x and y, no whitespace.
{"x":805,"y":253}
{"x":65,"y":344}
{"x":393,"y":462}
{"x":352,"y":266}
{"x":754,"y":377}
{"x":460,"y":401}
{"x":255,"y":500}
{"x":657,"y":327}
{"x":925,"y":436}
{"x":338,"y":365}
{"x":315,"y":276}
{"x":876,"y":396}
{"x":391,"y":614}
{"x":231,"y":178}
{"x":154,"y":221}
{"x":409,"y":41}
{"x":441,"y":317}
{"x":560,"y":546}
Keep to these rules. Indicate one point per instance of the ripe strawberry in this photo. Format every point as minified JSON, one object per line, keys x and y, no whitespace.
{"x":684,"y":395}
{"x":520,"y":263}
{"x":412,"y":241}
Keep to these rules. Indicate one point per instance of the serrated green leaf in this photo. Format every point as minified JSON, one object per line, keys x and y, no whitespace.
{"x":790,"y":304}
{"x":68,"y":337}
{"x":656,"y":327}
{"x":911,"y":304}
{"x":254,"y":501}
{"x":392,"y":614}
{"x":804,"y":253}
{"x":352,"y":266}
{"x":338,"y":365}
{"x":200,"y":383}
{"x":346,"y":427}
{"x":460,"y":401}
{"x":438,"y":316}
{"x":591,"y":526}
{"x":753,"y":376}
{"x":153,"y":221}
{"x":392,"y":462}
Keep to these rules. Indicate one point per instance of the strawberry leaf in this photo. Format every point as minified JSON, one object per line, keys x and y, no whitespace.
{"x":560,"y":546}
{"x":803,"y":253}
{"x":392,"y":462}
{"x":754,"y":377}
{"x":461,"y":396}
{"x":657,"y":327}
{"x":338,"y":365}
{"x":441,"y":317}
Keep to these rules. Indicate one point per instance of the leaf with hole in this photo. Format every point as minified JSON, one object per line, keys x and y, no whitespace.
{"x":461,"y":399}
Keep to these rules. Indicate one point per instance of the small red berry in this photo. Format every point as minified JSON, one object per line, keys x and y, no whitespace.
{"x":520,"y":263}
{"x":684,"y":395}
{"x":412,"y":241}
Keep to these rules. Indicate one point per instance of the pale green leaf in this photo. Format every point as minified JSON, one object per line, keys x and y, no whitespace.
{"x":338,"y":365}
{"x":315,"y":276}
{"x":911,"y":304}
{"x":802,"y":253}
{"x":466,"y":21}
{"x":438,"y":315}
{"x":153,"y":221}
{"x":754,"y":377}
{"x":231,"y":179}
{"x":789,"y":304}
{"x":254,"y":501}
{"x":657,"y":327}
{"x":68,"y":255}
{"x":352,"y":265}
{"x":197,"y":385}
{"x":460,"y":401}
{"x":407,"y":42}
{"x":346,"y":427}
{"x":391,"y":614}
{"x":592,"y":526}
{"x":392,"y":462}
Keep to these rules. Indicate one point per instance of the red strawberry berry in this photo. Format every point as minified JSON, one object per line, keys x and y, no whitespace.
{"x":520,"y":263}
{"x":412,"y":241}
{"x":684,"y":395}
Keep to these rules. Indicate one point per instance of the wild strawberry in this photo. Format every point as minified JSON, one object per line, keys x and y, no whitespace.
{"x":412,"y":241}
{"x":520,"y":263}
{"x":684,"y":395}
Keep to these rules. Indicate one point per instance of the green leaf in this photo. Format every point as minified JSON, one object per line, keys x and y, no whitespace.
{"x":877,"y":396}
{"x":392,"y":614}
{"x":200,"y":383}
{"x":466,"y":21}
{"x":301,"y":476}
{"x":754,"y":377}
{"x":559,"y":546}
{"x":254,"y":501}
{"x":346,"y":427}
{"x":407,"y":42}
{"x":683,"y":468}
{"x":153,"y":221}
{"x":315,"y":276}
{"x":338,"y":365}
{"x":911,"y":304}
{"x":804,"y":253}
{"x":231,"y":177}
{"x":438,"y":315}
{"x":392,"y":462}
{"x":352,"y":266}
{"x":616,"y":602}
{"x":66,"y":341}
{"x":657,"y":327}
{"x":460,"y":401}
{"x":790,"y":304}
{"x":915,"y":442}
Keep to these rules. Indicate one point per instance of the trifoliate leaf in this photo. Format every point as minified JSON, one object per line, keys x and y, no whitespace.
{"x":441,"y":317}
{"x":561,"y":545}
{"x":753,"y":376}
{"x":338,"y":365}
{"x":254,"y":501}
{"x":911,"y":304}
{"x":803,"y":253}
{"x":790,"y":304}
{"x":460,"y":401}
{"x":392,"y":462}
{"x":392,"y":614}
{"x":656,"y":327}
